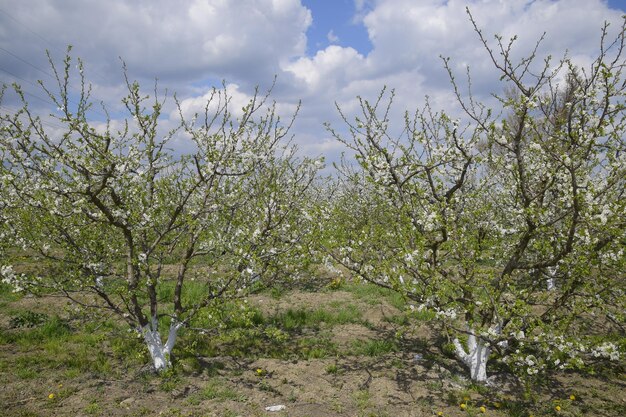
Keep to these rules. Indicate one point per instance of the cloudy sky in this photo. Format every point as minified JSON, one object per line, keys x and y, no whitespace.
{"x":322,"y":51}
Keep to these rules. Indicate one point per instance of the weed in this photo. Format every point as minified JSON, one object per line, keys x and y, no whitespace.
{"x":53,"y":328}
{"x":337,"y":405}
{"x":27,"y":373}
{"x":129,"y":349}
{"x":71,"y":373}
{"x":292,"y":397}
{"x":27,"y":319}
{"x":169,"y":380}
{"x":332,"y":369}
{"x":93,"y":408}
{"x":362,"y":399}
{"x":316,"y":348}
{"x":373,"y":294}
{"x":265,"y":386}
{"x":216,"y":390}
{"x":7,"y":295}
{"x":423,"y":315}
{"x":374,"y":348}
{"x":189,"y":365}
{"x":276,"y":292}
{"x":398,"y":364}
{"x":298,"y":319}
{"x":398,"y":319}
{"x":336,"y":284}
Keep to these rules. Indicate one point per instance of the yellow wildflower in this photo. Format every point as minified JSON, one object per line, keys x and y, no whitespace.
{"x":557,"y":408}
{"x":463,"y":406}
{"x":482,"y":409}
{"x":572,"y":397}
{"x":51,"y":396}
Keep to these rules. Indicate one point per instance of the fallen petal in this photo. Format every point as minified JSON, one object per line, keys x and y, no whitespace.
{"x":275,"y":407}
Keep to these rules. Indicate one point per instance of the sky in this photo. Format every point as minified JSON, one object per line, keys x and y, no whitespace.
{"x":321,"y":52}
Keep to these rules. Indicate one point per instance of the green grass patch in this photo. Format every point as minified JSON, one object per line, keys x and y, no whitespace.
{"x":373,"y":348}
{"x":315,"y":348}
{"x":332,"y":369}
{"x":301,"y":318}
{"x":192,"y":291}
{"x":27,"y":319}
{"x":373,"y":294}
{"x":216,"y":390}
{"x":27,"y":338}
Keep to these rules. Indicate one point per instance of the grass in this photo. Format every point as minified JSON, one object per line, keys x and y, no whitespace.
{"x":301,"y":318}
{"x":332,"y":369}
{"x":193,"y":291}
{"x":93,"y":408}
{"x":216,"y":390}
{"x":373,"y":347}
{"x":373,"y":294}
{"x":362,"y":399}
{"x":54,"y":344}
{"x":315,"y":348}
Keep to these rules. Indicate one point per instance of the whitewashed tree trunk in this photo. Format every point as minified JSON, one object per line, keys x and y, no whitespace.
{"x":476,"y":355}
{"x":550,"y":283}
{"x":159,"y":352}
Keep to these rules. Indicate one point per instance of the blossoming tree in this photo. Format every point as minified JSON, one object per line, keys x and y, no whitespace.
{"x":470,"y":217}
{"x":116,"y":216}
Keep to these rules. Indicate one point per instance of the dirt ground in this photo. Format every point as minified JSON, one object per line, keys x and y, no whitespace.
{"x":414,"y":379}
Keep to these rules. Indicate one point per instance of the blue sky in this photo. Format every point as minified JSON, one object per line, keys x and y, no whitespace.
{"x":341,"y":18}
{"x":338,"y":18}
{"x":322,"y":51}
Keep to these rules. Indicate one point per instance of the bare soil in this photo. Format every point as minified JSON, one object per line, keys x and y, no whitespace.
{"x":394,"y":383}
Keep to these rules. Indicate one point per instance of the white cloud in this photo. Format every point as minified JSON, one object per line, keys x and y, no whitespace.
{"x":193,"y":45}
{"x":176,"y":41}
{"x":215,"y":98}
{"x":412,"y":35}
{"x":329,"y":68}
{"x":332,"y":38}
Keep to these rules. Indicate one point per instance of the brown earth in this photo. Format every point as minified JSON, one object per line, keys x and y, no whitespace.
{"x":390,"y":384}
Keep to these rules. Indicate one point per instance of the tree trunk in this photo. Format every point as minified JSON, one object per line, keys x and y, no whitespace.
{"x":475,"y":357}
{"x":550,"y":282}
{"x":159,"y":352}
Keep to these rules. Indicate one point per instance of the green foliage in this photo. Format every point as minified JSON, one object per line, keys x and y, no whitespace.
{"x":155,"y":236}
{"x":470,"y":220}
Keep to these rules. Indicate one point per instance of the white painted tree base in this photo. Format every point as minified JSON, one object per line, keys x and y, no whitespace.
{"x":475,"y":359}
{"x":476,"y":355}
{"x":551,"y":282}
{"x":159,"y":352}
